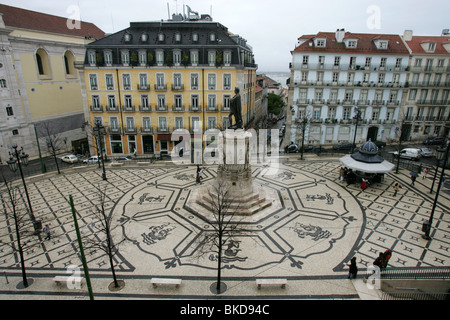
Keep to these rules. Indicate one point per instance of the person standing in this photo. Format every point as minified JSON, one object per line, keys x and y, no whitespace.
{"x":47,"y":232}
{"x":396,"y":187}
{"x":413,"y":179}
{"x":197,"y":178}
{"x":341,"y":174}
{"x":425,"y":173}
{"x":353,"y":270}
{"x":364,"y":184}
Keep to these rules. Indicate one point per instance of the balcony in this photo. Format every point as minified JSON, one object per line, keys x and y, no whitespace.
{"x":145,"y":130}
{"x":113,"y":130}
{"x":130,"y":130}
{"x":160,"y":87}
{"x":143,"y":87}
{"x":162,"y":108}
{"x":212,"y":108}
{"x":178,"y":108}
{"x":96,"y":109}
{"x":145,"y":108}
{"x":129,"y":109}
{"x":177,"y":87}
{"x":194,"y":108}
{"x":112,"y":108}
{"x":433,"y":102}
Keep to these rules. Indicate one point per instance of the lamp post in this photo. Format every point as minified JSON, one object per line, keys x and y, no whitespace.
{"x":15,"y":162}
{"x":100,"y":131}
{"x":357,"y":117}
{"x":441,"y":154}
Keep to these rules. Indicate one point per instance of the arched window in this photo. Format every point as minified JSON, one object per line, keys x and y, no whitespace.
{"x":42,"y":62}
{"x":69,"y":63}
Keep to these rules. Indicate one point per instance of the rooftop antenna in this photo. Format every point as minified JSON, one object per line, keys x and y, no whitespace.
{"x":168,"y":10}
{"x":112,"y":22}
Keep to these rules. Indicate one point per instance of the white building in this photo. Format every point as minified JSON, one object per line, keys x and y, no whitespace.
{"x":427,"y":102}
{"x":332,"y":74}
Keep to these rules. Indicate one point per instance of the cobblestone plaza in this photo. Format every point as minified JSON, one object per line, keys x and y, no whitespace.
{"x":308,"y":236}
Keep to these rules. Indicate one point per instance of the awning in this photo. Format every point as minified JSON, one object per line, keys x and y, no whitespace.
{"x":381,"y":167}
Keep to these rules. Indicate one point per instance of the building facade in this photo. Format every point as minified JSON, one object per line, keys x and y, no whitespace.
{"x":39,"y":85}
{"x":333,"y":75}
{"x":427,"y":101}
{"x":144,"y":82}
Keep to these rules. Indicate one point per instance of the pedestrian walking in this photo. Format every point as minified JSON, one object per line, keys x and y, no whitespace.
{"x":413,"y":179}
{"x":200,"y":175}
{"x":386,"y":256}
{"x":197,"y":177}
{"x":425,"y":173}
{"x":341,"y":174}
{"x":364,"y":184}
{"x":353,"y":270}
{"x":396,"y":187}
{"x":47,"y":232}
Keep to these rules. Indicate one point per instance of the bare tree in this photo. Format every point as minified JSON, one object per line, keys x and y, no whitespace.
{"x":54,"y":140}
{"x":226,"y":227}
{"x":15,"y":208}
{"x":102,"y":237}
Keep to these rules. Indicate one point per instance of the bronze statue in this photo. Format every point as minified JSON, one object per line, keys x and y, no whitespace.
{"x":236,"y":111}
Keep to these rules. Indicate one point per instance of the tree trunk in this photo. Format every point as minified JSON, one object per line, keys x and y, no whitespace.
{"x":219,"y":262}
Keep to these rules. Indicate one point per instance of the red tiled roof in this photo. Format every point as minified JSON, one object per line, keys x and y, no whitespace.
{"x":32,"y":20}
{"x":416,"y":41}
{"x":365,"y":44}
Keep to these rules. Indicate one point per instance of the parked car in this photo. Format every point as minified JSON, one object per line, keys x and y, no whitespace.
{"x":409,"y":153}
{"x":426,"y":152}
{"x":435,"y":141}
{"x":380,"y":144}
{"x":292,"y":148}
{"x":123,"y":158}
{"x":93,"y":159}
{"x":344,"y":146}
{"x":70,"y":158}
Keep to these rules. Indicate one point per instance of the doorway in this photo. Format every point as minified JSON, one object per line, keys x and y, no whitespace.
{"x":372,"y":133}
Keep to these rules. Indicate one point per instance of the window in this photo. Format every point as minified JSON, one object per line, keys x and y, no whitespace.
{"x":352,"y":64}
{"x":160,"y":84}
{"x":367,"y":63}
{"x":304,"y":75}
{"x":2,"y":83}
{"x":366,"y":77}
{"x":15,"y":132}
{"x":177,"y":57}
{"x":130,"y":123}
{"x":429,"y":65}
{"x":93,"y":81}
{"x":321,"y":61}
{"x":125,"y":55}
{"x":212,"y":58}
{"x":212,"y":122}
{"x":350,"y":77}
{"x":348,"y":95}
{"x":194,"y":81}
{"x":9,"y":111}
{"x":227,"y":81}
{"x":305,"y":60}
{"x":142,"y":57}
{"x":178,"y":102}
{"x":337,"y":61}
{"x":195,"y":123}
{"x":109,"y":81}
{"x":382,"y":63}
{"x":162,"y":123}
{"x":177,"y":81}
{"x":375,"y":114}
{"x":114,"y":123}
{"x":333,"y":95}
{"x":128,"y":102}
{"x":159,"y":57}
{"x":212,"y":37}
{"x":320,"y":43}
{"x":318,"y":94}
{"x":111,"y":102}
{"x":211,"y":101}
{"x":92,"y":58}
{"x":226,"y":101}
{"x":144,"y":102}
{"x":162,"y":102}
{"x":194,"y":57}
{"x":227,"y":58}
{"x":335,"y":76}
{"x":331,"y":113}
{"x":177,"y":37}
{"x":161,"y":37}
{"x":393,"y":96}
{"x":42,"y":62}
{"x":146,"y":124}
{"x":96,"y":102}
{"x":319,"y":75}
{"x":195,"y":102}
{"x":316,"y":113}
{"x":351,"y":44}
{"x":69,"y":63}
{"x":195,"y":37}
{"x":383,"y":45}
{"x":179,"y":123}
{"x":398,"y":62}
{"x":143,"y":81}
{"x":211,"y":81}
{"x":363,"y":95}
{"x":126,"y":81}
{"x":381,"y":77}
{"x":108,"y":58}
{"x":431,"y":46}
{"x":412,"y":94}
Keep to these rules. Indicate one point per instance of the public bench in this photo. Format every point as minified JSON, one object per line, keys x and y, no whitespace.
{"x":271,"y":282}
{"x":165,"y":281}
{"x":118,"y":164}
{"x":61,"y":280}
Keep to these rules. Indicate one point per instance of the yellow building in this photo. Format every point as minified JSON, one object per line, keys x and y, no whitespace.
{"x":144,"y":82}
{"x":41,"y":86}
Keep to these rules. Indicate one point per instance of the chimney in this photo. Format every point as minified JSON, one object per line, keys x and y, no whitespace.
{"x":340,"y":35}
{"x":407,"y":35}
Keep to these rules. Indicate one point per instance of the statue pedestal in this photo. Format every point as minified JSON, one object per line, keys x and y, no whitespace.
{"x":235,"y":174}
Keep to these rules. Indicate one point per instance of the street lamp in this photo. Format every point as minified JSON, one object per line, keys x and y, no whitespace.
{"x":100,"y":131}
{"x":15,"y":162}
{"x":357,"y":117}
{"x":441,"y":154}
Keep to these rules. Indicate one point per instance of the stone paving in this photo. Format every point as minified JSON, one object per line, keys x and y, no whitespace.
{"x":308,"y":236}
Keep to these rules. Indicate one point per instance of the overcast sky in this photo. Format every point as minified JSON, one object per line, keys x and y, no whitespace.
{"x":271,"y":27}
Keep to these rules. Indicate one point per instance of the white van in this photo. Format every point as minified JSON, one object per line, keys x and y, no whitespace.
{"x":409,"y":153}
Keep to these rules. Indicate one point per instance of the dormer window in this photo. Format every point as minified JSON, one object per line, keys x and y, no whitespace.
{"x":144,"y":37}
{"x":127,"y":37}
{"x":177,"y":37}
{"x":320,"y":43}
{"x":382,"y":44}
{"x":195,"y":37}
{"x":431,"y":46}
{"x":351,"y":44}
{"x":161,"y":37}
{"x":212,"y":37}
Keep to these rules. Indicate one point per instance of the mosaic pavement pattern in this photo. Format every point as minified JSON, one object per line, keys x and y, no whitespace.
{"x":318,"y":225}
